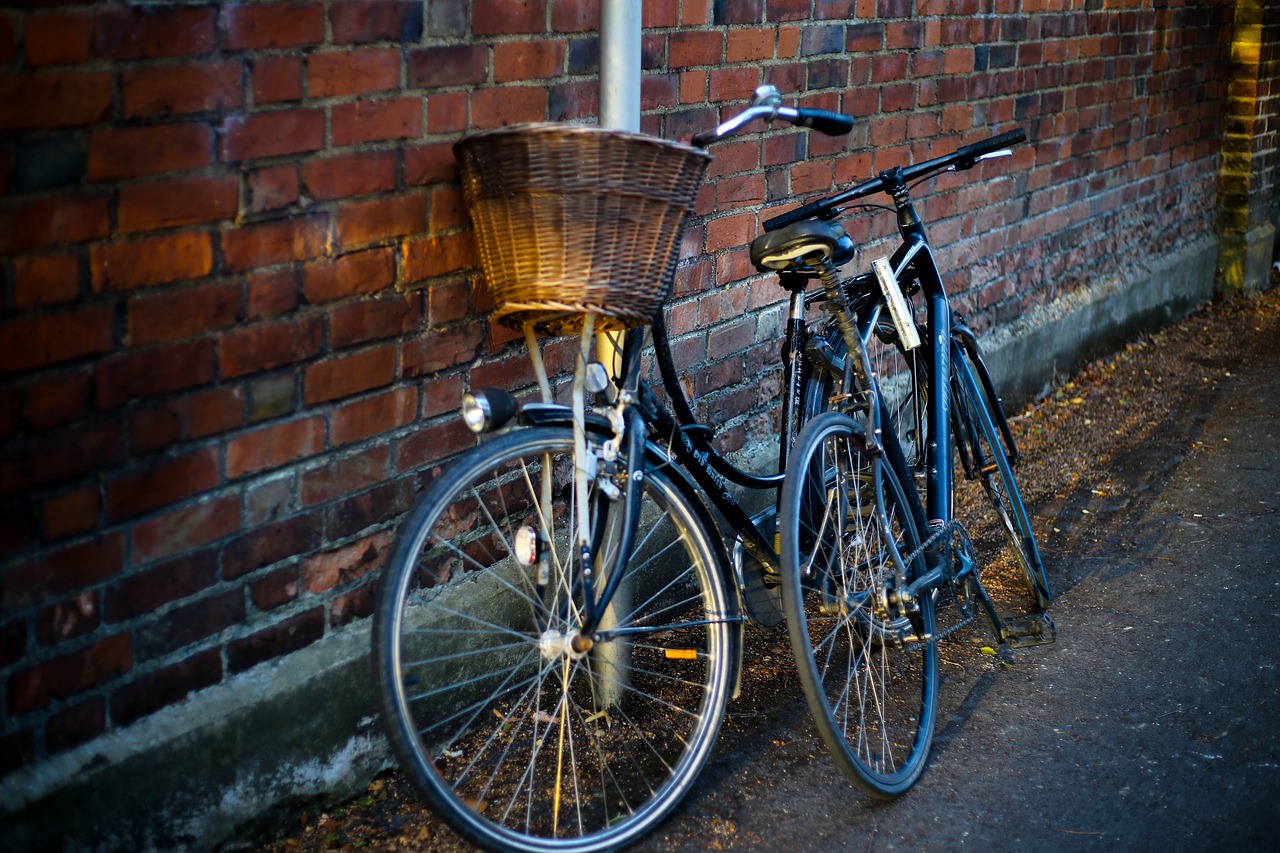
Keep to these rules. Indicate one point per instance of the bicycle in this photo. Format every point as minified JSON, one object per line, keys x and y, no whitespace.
{"x":559,"y":628}
{"x":866,"y":562}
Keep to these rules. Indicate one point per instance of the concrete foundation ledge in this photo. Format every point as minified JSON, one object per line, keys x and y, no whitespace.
{"x":224,"y":767}
{"x":215,"y":771}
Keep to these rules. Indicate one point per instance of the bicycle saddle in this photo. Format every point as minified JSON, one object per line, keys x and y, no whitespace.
{"x":777,"y":250}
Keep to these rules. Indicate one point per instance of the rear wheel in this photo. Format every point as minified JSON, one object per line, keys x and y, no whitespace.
{"x":518,"y":734}
{"x":868,"y":665}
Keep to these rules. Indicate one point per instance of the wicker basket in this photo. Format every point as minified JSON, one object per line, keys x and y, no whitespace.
{"x":572,"y":220}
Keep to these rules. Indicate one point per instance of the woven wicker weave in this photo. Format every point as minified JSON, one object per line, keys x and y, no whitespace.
{"x":577,"y":219}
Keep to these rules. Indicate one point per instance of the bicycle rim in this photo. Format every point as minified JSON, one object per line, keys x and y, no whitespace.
{"x":869,"y":678}
{"x":518,"y":740}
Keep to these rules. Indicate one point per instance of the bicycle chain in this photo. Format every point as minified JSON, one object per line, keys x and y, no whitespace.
{"x":968,"y":613}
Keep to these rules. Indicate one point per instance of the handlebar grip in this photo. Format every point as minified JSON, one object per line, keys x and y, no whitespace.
{"x":703,"y":139}
{"x":804,"y":211}
{"x":824,"y":121}
{"x":970,"y":153}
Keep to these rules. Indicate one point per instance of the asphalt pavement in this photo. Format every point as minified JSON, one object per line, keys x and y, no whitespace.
{"x":1152,"y":723}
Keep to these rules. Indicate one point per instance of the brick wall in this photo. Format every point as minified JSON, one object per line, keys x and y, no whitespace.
{"x":240,"y":301}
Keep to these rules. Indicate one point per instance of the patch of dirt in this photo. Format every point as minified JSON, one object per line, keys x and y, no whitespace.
{"x":1088,"y":451}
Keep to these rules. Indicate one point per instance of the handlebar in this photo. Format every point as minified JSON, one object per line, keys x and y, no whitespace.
{"x":965,"y":157}
{"x":767,"y":105}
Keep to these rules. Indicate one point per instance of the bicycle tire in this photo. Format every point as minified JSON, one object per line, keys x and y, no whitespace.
{"x":870,"y":679}
{"x":515,"y":740}
{"x":990,"y":466}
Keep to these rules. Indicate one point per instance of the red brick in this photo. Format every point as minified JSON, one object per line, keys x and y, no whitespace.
{"x":69,"y":513}
{"x":142,"y":592}
{"x":364,"y":222}
{"x":347,"y":175}
{"x":8,"y":51}
{"x":371,"y":319}
{"x":272,"y":134}
{"x":276,"y":79}
{"x":503,"y":17}
{"x":57,"y":400}
{"x":54,"y":99}
{"x":274,"y":445}
{"x":194,"y":415}
{"x":130,"y":152}
{"x":150,"y":261}
{"x":507,"y":105}
{"x":59,"y":455}
{"x":451,"y":65}
{"x":261,"y":26}
{"x":270,"y":544}
{"x":60,"y":221}
{"x":296,"y":239}
{"x":433,"y":444}
{"x":65,"y":570}
{"x":343,"y":476}
{"x":263,"y":346}
{"x":359,"y":21}
{"x":271,"y":293}
{"x":185,"y":528}
{"x":357,"y":604}
{"x":156,"y":370}
{"x":523,"y":60}
{"x":340,"y":566}
{"x":296,"y":632}
{"x":149,"y":693}
{"x":576,"y":16}
{"x":276,"y":589}
{"x":160,"y":483}
{"x":57,"y":38}
{"x":372,"y":415}
{"x":374,"y":121}
{"x":63,"y":677}
{"x":447,"y":112}
{"x":352,"y":72}
{"x":272,"y":188}
{"x":429,"y":164}
{"x":445,"y":348}
{"x":150,"y":32}
{"x":695,"y":48}
{"x":448,"y":301}
{"x":180,"y":89}
{"x":68,"y":619}
{"x":348,"y":374}
{"x":188,"y":623}
{"x":52,"y":338}
{"x":169,"y":204}
{"x":181,"y":314}
{"x":427,"y":257}
{"x":13,"y":643}
{"x":45,"y":281}
{"x":348,"y":275}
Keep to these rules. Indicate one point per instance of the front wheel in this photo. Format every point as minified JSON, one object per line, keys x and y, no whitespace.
{"x":868,"y":665}
{"x":520,"y":735}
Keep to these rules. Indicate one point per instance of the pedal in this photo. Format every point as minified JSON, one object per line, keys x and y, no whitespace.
{"x":1034,"y":630}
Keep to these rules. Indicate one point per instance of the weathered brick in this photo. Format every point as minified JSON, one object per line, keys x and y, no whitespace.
{"x":513,"y":61}
{"x":696,"y":48}
{"x":189,"y":623}
{"x":56,"y":38}
{"x":453,"y":65}
{"x":149,"y":32}
{"x":343,"y":476}
{"x":347,"y":175}
{"x":294,"y":633}
{"x":433,"y":444}
{"x":369,"y":508}
{"x":345,"y":375}
{"x":274,"y":445}
{"x":363,"y":222}
{"x":296,"y":239}
{"x":67,"y":619}
{"x":442,"y":348}
{"x":357,"y":604}
{"x":54,"y":99}
{"x":17,"y":749}
{"x":271,"y":293}
{"x":376,"y":20}
{"x":45,"y":339}
{"x":447,"y":112}
{"x":271,"y":188}
{"x":180,"y":89}
{"x":275,"y":589}
{"x":273,"y":396}
{"x":172,"y":203}
{"x":323,"y":572}
{"x":276,"y":79}
{"x":33,"y":689}
{"x":142,"y":592}
{"x":69,"y":513}
{"x":273,"y":134}
{"x":185,"y":528}
{"x":45,"y":280}
{"x":194,"y":415}
{"x":352,"y":72}
{"x":429,"y":164}
{"x":271,"y":543}
{"x":505,"y":17}
{"x":13,"y":642}
{"x":375,"y":121}
{"x":427,"y":257}
{"x":146,"y":262}
{"x":262,"y":346}
{"x":65,"y":570}
{"x":161,"y":482}
{"x":507,"y":105}
{"x":372,"y":415}
{"x":42,"y":222}
{"x":130,"y":152}
{"x":182,"y":313}
{"x":75,"y":725}
{"x":55,"y":456}
{"x":148,"y":693}
{"x":262,"y":26}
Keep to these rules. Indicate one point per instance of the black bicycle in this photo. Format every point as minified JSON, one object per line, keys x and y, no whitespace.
{"x":861,"y":598}
{"x":559,"y":627}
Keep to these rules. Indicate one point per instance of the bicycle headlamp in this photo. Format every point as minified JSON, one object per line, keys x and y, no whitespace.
{"x":487,"y":409}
